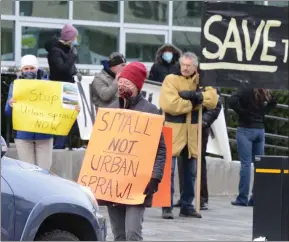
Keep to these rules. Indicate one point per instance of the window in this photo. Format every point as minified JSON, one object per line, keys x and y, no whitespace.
{"x":34,"y":40}
{"x":146,"y":12}
{"x":44,"y":9}
{"x":7,"y":7}
{"x":188,"y":41}
{"x":187,"y":13}
{"x":96,"y":10}
{"x":278,"y":3}
{"x":7,"y":40}
{"x":143,"y":47}
{"x":96,"y":43}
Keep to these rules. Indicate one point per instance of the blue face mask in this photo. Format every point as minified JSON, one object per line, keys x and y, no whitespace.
{"x":168,"y":56}
{"x":75,"y":43}
{"x":29,"y":75}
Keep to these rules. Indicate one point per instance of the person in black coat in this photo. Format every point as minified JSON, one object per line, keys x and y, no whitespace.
{"x":167,"y":62}
{"x":209,"y":117}
{"x":62,"y":55}
{"x":250,"y":105}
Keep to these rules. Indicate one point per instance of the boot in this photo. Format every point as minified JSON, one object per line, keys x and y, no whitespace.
{"x":191,"y":212}
{"x":167,"y":213}
{"x":178,"y":204}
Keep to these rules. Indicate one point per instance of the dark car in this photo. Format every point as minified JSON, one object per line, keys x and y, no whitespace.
{"x":38,"y":205}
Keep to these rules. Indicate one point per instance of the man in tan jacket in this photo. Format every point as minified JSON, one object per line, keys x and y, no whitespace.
{"x":180,"y":99}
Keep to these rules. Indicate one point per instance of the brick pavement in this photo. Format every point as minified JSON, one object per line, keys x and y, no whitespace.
{"x":222,"y":222}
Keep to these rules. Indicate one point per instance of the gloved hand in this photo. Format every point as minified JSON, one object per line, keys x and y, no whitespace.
{"x":152,"y":187}
{"x":196,"y":97}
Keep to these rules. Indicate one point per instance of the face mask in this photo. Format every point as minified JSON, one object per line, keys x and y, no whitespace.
{"x":29,"y":75}
{"x":167,"y":56}
{"x":75,"y":42}
{"x":124,"y":91}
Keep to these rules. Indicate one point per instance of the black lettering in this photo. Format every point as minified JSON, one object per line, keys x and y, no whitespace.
{"x":105,"y":121}
{"x":120,"y":115}
{"x":107,"y":159}
{"x":92,"y":163}
{"x":122,"y":148}
{"x":128,"y":193}
{"x":114,"y":144}
{"x":54,"y":127}
{"x":135,"y":127}
{"x":33,"y":96}
{"x":119,"y":194}
{"x":115,"y":164}
{"x":127,"y":123}
{"x":133,"y":169}
{"x":109,"y":188}
{"x":123,"y":166}
{"x":38,"y":124}
{"x":147,"y":124}
{"x":45,"y":125}
{"x":132,"y":145}
{"x":92,"y":180}
{"x":82,"y":180}
{"x":100,"y":183}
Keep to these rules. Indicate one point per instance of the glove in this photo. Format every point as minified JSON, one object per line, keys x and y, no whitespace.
{"x":152,"y":187}
{"x":196,"y":97}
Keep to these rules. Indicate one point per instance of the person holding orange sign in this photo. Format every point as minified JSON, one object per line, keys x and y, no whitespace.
{"x":126,"y":220}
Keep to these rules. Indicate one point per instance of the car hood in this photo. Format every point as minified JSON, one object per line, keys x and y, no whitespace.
{"x":34,"y":183}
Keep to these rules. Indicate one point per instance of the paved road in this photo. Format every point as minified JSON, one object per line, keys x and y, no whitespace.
{"x":222,"y":222}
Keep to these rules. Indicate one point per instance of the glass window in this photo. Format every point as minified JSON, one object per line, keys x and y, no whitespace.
{"x":7,"y":7}
{"x":187,"y":13}
{"x":44,"y":9}
{"x":143,"y":47}
{"x":278,"y":3}
{"x":7,"y":40}
{"x":34,"y":40}
{"x":146,"y":12}
{"x":96,"y":10}
{"x":96,"y":43}
{"x":188,"y":41}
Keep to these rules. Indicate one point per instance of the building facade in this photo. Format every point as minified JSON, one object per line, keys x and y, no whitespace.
{"x":135,"y":28}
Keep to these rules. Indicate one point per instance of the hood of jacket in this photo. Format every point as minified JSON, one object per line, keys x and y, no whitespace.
{"x":177,"y":53}
{"x":51,"y":43}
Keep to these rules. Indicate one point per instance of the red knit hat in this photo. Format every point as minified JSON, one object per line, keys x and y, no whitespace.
{"x":136,"y":72}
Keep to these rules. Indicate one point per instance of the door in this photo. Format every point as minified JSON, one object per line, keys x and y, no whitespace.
{"x":7,"y":212}
{"x":142,"y":45}
{"x":34,"y":36}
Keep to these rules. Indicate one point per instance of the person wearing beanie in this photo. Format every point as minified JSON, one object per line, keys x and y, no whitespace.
{"x":104,"y":86}
{"x":34,"y":148}
{"x":62,"y":56}
{"x":126,"y":220}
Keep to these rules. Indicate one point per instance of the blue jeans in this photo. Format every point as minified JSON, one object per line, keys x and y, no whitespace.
{"x":250,"y":143}
{"x":188,"y":192}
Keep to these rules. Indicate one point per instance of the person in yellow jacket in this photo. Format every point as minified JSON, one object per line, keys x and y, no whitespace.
{"x":180,"y":99}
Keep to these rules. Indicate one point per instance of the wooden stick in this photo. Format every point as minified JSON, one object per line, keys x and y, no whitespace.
{"x":199,"y":161}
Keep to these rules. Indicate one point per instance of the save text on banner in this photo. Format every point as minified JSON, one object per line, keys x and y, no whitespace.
{"x":120,"y":156}
{"x":46,"y":107}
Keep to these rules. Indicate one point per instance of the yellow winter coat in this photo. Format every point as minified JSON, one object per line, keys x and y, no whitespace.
{"x":179,"y":113}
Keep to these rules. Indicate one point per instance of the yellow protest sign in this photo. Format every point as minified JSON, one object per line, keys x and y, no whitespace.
{"x":121,"y":153}
{"x":46,"y":107}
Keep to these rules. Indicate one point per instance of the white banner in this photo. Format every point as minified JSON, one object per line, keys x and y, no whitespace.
{"x":218,"y":143}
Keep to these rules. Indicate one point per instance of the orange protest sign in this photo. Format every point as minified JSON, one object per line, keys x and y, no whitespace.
{"x":162,"y":198}
{"x":120,"y":155}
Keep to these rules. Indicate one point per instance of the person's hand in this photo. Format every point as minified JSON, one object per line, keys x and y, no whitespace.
{"x":152,"y":187}
{"x":11,"y":101}
{"x":77,"y":108}
{"x":196,"y":97}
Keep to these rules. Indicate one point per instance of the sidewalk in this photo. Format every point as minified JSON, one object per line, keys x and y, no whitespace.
{"x":222,"y":222}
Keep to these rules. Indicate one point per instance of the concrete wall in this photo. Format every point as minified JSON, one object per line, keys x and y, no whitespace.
{"x":223,"y":177}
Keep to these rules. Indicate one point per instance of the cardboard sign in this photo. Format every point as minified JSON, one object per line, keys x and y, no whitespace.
{"x":120,"y":156}
{"x":46,"y":107}
{"x":162,"y":198}
{"x":247,"y":44}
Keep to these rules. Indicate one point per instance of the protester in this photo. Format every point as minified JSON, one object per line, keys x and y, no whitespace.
{"x":209,"y":117}
{"x":126,"y":220}
{"x":167,"y":62}
{"x":180,"y":98}
{"x":104,"y":86}
{"x":250,"y":105}
{"x":62,"y":56}
{"x":34,"y":148}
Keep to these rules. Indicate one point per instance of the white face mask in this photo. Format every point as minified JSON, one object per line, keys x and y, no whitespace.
{"x":167,"y":56}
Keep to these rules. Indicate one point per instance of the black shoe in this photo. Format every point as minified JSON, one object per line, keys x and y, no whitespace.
{"x":189,"y":213}
{"x":251,"y":203}
{"x":178,"y":204}
{"x":167,"y":213}
{"x":236,"y":203}
{"x":204,"y":206}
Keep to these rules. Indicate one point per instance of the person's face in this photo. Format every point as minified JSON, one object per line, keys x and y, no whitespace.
{"x":26,"y":69}
{"x":126,"y":88}
{"x":118,"y":69}
{"x":187,"y":67}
